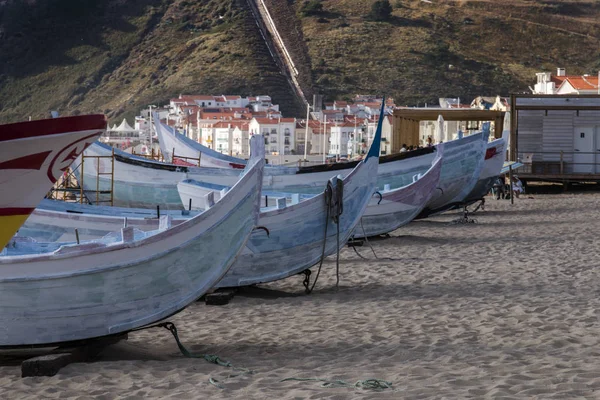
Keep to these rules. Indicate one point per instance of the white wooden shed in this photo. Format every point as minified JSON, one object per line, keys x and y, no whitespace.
{"x":557,"y":137}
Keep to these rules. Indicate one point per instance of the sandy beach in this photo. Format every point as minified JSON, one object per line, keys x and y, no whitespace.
{"x":506,"y":308}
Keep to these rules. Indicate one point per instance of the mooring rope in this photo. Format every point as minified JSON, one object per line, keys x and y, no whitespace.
{"x":328,"y":197}
{"x":211,"y":358}
{"x":367,"y":384}
{"x":371,"y":247}
{"x":335,"y":207}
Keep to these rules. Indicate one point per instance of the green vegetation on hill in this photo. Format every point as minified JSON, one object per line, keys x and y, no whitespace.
{"x":117,"y":56}
{"x":449,"y":48}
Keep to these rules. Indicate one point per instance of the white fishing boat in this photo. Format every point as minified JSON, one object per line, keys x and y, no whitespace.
{"x":494,"y":160}
{"x":34,"y":155}
{"x":189,"y":152}
{"x":95,"y":289}
{"x":462,"y":163}
{"x":59,"y":221}
{"x":301,"y":234}
{"x":140,"y":183}
{"x":390,"y":209}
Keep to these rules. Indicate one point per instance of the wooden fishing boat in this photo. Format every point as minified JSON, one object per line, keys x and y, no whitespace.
{"x":101,"y":288}
{"x":34,"y":155}
{"x":494,"y":160}
{"x":59,"y":221}
{"x":302,"y":233}
{"x":189,"y":152}
{"x":462,"y":163}
{"x":390,"y":209}
{"x":140,"y":183}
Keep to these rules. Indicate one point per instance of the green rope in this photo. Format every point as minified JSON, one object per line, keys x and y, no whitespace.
{"x":213,"y":359}
{"x":368,"y":384}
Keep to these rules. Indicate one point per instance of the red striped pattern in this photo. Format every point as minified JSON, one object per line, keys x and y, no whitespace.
{"x":45,"y":127}
{"x":32,"y":161}
{"x":15,"y":211}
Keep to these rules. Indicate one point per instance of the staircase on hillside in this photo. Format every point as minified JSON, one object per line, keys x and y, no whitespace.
{"x":275,"y":84}
{"x":291,"y":88}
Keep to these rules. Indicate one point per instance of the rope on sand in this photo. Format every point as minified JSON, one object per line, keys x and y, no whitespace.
{"x":211,"y":358}
{"x":367,"y":384}
{"x":372,"y":249}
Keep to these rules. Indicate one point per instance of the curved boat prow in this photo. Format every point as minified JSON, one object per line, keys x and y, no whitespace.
{"x":302,"y":233}
{"x":172,"y":142}
{"x":34,"y":155}
{"x":105,"y":288}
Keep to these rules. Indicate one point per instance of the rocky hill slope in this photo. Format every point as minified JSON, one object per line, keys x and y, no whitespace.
{"x":117,"y":56}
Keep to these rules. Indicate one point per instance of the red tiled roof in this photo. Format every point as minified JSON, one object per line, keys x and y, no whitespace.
{"x":558,"y":80}
{"x":347,"y":124}
{"x":583,"y":82}
{"x":272,"y":121}
{"x":242,"y":125}
{"x":352,"y":118}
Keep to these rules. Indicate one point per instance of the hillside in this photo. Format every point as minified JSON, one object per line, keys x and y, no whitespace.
{"x":116,"y":56}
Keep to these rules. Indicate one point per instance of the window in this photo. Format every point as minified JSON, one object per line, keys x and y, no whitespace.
{"x":286,"y":150}
{"x":273,"y":139}
{"x":287,"y":141}
{"x":273,"y":131}
{"x":265,"y":132}
{"x":287,"y":132}
{"x":266,"y":141}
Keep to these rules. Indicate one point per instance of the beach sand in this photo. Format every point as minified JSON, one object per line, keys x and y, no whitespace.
{"x":505,"y":308}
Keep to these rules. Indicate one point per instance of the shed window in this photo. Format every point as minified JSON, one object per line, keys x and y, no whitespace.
{"x":582,"y":135}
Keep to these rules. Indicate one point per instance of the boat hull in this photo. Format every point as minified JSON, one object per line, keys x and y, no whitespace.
{"x":91,"y":290}
{"x":490,"y":172}
{"x":398,"y":207}
{"x":297,"y":233}
{"x":140,"y":183}
{"x":34,"y":155}
{"x":462,"y":164}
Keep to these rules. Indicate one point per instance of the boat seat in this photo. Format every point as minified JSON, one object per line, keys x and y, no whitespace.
{"x":166,"y":221}
{"x":209,"y":200}
{"x":295,"y":198}
{"x":281,"y":203}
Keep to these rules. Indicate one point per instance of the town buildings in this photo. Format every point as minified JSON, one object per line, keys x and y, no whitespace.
{"x":564,"y":84}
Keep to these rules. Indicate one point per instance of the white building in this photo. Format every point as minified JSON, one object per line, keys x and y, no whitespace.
{"x":386,"y":134}
{"x":256,"y":103}
{"x":232,"y":138}
{"x":340,"y":135}
{"x":561,"y":83}
{"x":301,"y":130}
{"x":279,"y":134}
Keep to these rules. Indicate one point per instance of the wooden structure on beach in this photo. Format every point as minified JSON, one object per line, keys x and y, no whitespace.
{"x":556,"y":137}
{"x":407,"y":121}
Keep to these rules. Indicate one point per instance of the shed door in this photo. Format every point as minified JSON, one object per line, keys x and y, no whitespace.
{"x":584,"y":156}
